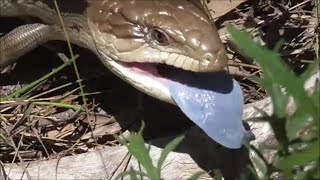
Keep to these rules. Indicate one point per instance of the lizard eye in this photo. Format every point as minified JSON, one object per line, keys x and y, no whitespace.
{"x":160,"y":37}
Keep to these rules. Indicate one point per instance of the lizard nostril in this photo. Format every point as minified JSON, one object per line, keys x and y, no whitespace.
{"x":207,"y":59}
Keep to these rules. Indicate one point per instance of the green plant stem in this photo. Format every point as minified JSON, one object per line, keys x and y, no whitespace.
{"x":35,"y":83}
{"x":72,"y":54}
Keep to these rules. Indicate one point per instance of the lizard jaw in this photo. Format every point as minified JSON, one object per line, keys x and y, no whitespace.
{"x":142,"y":76}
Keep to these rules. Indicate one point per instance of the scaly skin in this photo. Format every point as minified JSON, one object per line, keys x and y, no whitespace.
{"x":172,"y":32}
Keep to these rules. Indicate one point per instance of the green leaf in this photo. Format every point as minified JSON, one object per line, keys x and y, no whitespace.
{"x":279,"y":130}
{"x":132,"y":173}
{"x":169,"y":147}
{"x":279,"y":100}
{"x":137,"y":148}
{"x":196,"y":175}
{"x":121,"y":140}
{"x":311,"y":69}
{"x":315,"y":99}
{"x":296,"y":122}
{"x":253,"y":172}
{"x":277,"y":76}
{"x":259,"y":161}
{"x":300,"y":158}
{"x":302,"y":175}
{"x":274,"y":68}
{"x":217,"y":174}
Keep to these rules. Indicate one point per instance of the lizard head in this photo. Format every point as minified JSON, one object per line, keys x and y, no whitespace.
{"x":134,"y":36}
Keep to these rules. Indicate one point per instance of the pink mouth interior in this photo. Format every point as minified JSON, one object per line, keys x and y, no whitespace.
{"x":147,"y":70}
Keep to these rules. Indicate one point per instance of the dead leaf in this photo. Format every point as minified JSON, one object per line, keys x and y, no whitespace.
{"x":221,"y":7}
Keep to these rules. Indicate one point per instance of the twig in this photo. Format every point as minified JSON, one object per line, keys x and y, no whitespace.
{"x":300,"y":4}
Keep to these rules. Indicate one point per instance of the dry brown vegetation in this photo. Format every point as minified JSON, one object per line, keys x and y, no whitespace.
{"x":48,"y":121}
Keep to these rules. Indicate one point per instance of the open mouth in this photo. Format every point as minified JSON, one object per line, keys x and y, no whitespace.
{"x":157,"y":72}
{"x":213,"y":101}
{"x":146,"y":69}
{"x":146,"y":77}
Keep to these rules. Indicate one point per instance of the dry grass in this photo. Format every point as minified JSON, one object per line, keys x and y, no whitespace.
{"x":48,"y":122}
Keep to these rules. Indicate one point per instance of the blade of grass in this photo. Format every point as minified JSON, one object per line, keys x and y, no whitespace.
{"x":300,"y":158}
{"x":21,"y":91}
{"x":136,"y":147}
{"x":131,"y":173}
{"x":60,"y":105}
{"x":71,"y":54}
{"x":26,"y":113}
{"x":28,"y":93}
{"x":169,"y":147}
{"x":196,"y":176}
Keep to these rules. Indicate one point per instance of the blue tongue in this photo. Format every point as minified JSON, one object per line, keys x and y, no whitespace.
{"x":213,"y":101}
